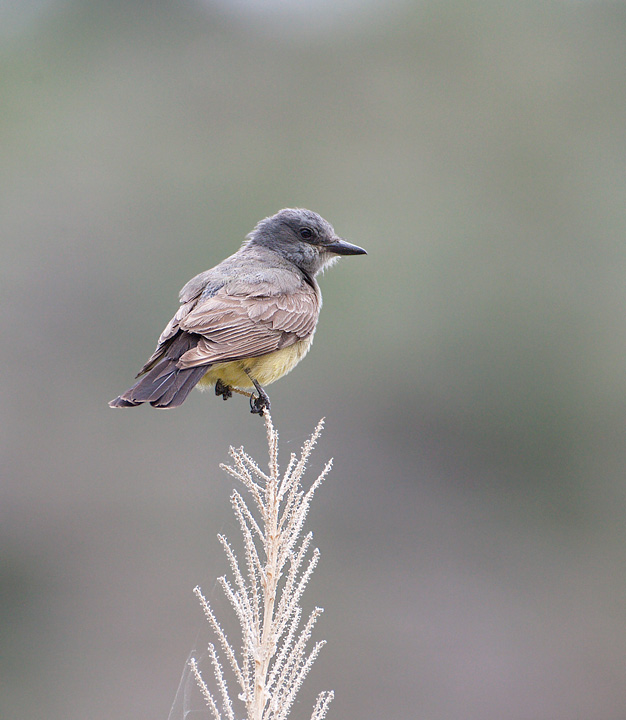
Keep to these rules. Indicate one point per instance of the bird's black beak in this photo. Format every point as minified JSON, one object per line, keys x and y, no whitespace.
{"x":339,"y":246}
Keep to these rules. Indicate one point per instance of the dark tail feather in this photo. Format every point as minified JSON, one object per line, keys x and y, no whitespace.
{"x":165,"y":385}
{"x":179,"y":387}
{"x":162,"y":389}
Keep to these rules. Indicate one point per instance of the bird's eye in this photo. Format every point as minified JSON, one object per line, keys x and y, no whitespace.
{"x":306,"y":233}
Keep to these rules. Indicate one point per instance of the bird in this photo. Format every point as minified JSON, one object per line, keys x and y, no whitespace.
{"x":249,"y":320}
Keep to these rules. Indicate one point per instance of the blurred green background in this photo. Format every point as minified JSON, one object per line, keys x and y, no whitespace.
{"x":471,"y":368}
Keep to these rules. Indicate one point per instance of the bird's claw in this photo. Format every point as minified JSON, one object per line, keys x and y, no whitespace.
{"x":223,"y":390}
{"x":259,"y":403}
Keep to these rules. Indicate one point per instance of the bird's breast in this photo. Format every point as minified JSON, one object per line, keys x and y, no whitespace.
{"x":265,"y":369}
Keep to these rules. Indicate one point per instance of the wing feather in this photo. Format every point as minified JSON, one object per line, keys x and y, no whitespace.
{"x":239,"y":326}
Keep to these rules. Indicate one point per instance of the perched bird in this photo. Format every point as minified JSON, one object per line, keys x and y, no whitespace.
{"x":249,"y":320}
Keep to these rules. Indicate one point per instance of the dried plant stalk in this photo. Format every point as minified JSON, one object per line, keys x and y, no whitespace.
{"x":276,"y":654}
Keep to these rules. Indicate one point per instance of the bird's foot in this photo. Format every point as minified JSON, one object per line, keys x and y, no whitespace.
{"x":261,"y":402}
{"x":224,"y":390}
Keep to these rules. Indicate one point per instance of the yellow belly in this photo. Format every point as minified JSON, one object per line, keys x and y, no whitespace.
{"x":264,"y":369}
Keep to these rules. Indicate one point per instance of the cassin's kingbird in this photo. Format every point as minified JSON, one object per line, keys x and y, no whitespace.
{"x":249,"y":320}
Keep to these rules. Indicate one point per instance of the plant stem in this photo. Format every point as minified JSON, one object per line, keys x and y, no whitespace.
{"x":265,"y":649}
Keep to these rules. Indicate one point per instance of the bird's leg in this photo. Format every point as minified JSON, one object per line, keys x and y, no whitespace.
{"x":224,"y":390}
{"x":259,"y":403}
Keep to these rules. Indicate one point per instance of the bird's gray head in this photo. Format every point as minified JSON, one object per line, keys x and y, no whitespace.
{"x":303,"y":237}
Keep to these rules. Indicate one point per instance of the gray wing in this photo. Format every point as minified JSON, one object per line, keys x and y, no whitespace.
{"x":234,"y":327}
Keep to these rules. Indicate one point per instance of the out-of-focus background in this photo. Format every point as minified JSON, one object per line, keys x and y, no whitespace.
{"x":471,"y":368}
